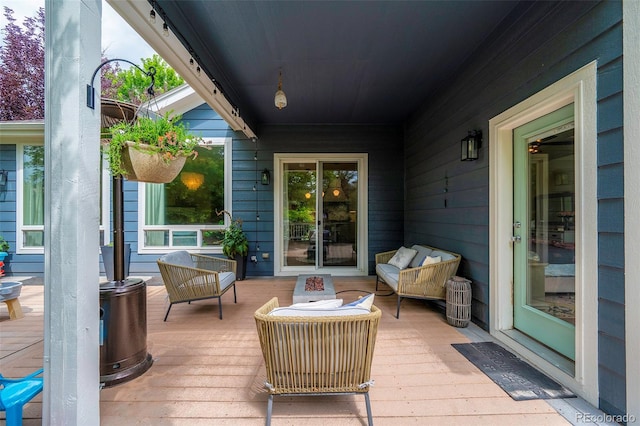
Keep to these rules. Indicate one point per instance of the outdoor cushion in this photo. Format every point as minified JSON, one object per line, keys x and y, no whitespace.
{"x":423,"y":252}
{"x":335,"y":312}
{"x":443,"y":256}
{"x":226,"y":279}
{"x":320,"y":304}
{"x":181,"y":258}
{"x":389,"y":274}
{"x":403,"y":257}
{"x":363,"y":302}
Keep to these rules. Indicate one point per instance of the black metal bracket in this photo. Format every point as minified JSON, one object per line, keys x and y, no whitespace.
{"x":91,"y":91}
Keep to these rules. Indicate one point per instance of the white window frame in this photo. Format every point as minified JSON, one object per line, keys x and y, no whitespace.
{"x":219,"y":141}
{"x":578,"y":88}
{"x":21,"y":227}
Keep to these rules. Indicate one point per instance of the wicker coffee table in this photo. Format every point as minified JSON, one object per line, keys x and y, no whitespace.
{"x":300,"y":295}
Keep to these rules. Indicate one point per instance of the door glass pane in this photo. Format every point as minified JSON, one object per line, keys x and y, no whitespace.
{"x":299,"y":214}
{"x":551,"y":207}
{"x":339,"y":213}
{"x":544,"y":230}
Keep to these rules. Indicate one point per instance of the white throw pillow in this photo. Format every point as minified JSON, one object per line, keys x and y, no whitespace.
{"x":402,"y":258}
{"x":431,"y":260}
{"x":364,"y":302}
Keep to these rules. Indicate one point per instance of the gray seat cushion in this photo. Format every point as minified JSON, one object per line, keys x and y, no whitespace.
{"x":226,"y":279}
{"x":389,"y":274}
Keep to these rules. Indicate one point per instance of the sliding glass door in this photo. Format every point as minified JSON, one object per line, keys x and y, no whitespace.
{"x":320,"y":215}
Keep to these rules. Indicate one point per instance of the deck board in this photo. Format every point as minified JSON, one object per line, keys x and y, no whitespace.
{"x":210,"y":371}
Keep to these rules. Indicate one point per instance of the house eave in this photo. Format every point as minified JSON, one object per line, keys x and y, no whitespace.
{"x":24,"y":131}
{"x":136,"y":13}
{"x":176,"y":101}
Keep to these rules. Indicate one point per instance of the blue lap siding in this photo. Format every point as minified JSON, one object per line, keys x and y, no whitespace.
{"x":419,"y":190}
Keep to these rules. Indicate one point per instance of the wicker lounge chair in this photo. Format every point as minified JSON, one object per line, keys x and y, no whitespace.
{"x":317,"y":355}
{"x":188,"y":277}
{"x":418,"y":281}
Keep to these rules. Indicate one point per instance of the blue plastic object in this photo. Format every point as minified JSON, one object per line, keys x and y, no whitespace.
{"x":15,"y":393}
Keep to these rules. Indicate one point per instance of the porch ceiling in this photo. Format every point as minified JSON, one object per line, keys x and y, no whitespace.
{"x":342,"y":62}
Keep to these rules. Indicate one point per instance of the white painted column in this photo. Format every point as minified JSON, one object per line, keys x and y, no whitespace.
{"x":71,"y":223}
{"x":631,"y":87}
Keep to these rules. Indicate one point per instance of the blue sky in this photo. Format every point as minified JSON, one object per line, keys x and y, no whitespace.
{"x":119,"y":40}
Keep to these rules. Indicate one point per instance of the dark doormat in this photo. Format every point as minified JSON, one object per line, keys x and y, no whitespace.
{"x":517,"y":378}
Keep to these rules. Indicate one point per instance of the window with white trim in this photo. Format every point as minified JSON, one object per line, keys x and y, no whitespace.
{"x":30,"y":199}
{"x":182,"y":214}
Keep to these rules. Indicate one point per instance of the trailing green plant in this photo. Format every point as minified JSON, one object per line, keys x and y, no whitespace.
{"x":4,"y":245}
{"x":235,"y":241}
{"x":165,"y":135}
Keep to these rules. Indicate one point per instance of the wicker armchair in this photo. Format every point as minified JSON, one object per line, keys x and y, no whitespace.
{"x":418,"y":282}
{"x":188,"y":277}
{"x":307,"y":355}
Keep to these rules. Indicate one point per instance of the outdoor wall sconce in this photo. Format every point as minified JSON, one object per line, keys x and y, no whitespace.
{"x":470,"y":145}
{"x":266,"y":177}
{"x":3,"y":178}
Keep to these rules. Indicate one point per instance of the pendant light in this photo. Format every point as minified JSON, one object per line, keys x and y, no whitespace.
{"x":280,"y":98}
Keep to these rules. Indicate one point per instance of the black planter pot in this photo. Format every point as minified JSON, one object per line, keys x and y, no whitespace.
{"x":241,"y":267}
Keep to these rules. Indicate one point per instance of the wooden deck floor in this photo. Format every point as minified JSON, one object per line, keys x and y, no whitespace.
{"x":209,"y":371}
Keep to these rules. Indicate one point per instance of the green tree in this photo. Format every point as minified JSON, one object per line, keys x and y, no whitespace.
{"x":132,"y":83}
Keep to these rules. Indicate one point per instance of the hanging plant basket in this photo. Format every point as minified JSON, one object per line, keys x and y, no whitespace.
{"x":142,"y":164}
{"x":150,"y":149}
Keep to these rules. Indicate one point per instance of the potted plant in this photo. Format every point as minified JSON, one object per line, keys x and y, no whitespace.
{"x":235,"y":245}
{"x":150,"y":149}
{"x":4,"y":252}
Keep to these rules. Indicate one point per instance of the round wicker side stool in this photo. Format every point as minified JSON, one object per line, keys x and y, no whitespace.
{"x":458,"y":301}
